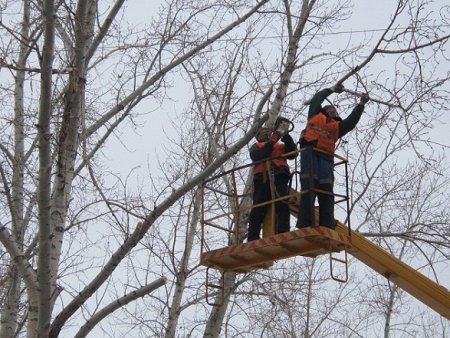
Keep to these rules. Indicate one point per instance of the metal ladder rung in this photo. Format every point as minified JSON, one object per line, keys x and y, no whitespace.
{"x":339,"y":260}
{"x":344,"y":262}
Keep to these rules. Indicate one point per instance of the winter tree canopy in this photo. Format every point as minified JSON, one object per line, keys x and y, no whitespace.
{"x":113,"y":112}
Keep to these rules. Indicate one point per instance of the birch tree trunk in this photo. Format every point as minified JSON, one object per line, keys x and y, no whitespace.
{"x":183,"y":269}
{"x":68,"y":145}
{"x":8,"y":313}
{"x":215,"y":319}
{"x":291,"y":58}
{"x":45,"y":165}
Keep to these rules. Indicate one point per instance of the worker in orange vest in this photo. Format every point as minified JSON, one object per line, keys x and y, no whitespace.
{"x":323,"y":129}
{"x":270,"y":145}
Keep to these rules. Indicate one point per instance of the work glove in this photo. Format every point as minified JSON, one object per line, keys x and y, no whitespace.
{"x":275,"y":137}
{"x":364,"y":99}
{"x":339,"y":88}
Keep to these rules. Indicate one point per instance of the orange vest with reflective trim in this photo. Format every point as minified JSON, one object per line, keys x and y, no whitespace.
{"x":326,"y":133}
{"x":278,"y":150}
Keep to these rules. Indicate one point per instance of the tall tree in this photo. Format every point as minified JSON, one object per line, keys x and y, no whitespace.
{"x":67,"y":128}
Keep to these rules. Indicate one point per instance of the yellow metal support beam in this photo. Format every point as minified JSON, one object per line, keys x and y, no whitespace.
{"x":407,"y":278}
{"x":404,"y":276}
{"x":268,"y":228}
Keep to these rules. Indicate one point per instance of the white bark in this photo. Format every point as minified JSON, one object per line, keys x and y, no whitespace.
{"x":45,"y":165}
{"x":69,"y":134}
{"x":139,"y":232}
{"x":183,"y":269}
{"x":8,"y":313}
{"x":291,"y":58}
{"x":215,"y":320}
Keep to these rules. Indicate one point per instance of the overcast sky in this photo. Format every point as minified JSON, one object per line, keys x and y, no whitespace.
{"x":367,"y":18}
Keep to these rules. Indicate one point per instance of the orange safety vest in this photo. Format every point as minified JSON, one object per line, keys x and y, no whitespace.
{"x":326,"y":133}
{"x":278,"y":150}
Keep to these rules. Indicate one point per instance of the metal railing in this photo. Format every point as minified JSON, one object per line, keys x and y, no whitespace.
{"x":240,"y":204}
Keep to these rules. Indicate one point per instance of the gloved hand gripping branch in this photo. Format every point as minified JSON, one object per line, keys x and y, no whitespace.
{"x":338,"y":88}
{"x":364,"y":99}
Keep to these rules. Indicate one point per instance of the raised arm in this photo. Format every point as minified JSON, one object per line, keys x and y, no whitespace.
{"x":350,"y":122}
{"x":316,"y":102}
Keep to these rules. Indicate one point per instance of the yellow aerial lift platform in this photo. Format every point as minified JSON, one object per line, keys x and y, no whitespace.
{"x":314,"y":241}
{"x":245,"y":257}
{"x":309,"y":242}
{"x":317,"y":240}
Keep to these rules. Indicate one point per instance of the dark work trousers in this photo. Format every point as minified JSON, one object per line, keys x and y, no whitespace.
{"x":321,"y":168}
{"x":262,"y":193}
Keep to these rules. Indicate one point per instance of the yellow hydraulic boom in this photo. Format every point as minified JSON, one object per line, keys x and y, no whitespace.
{"x":415,"y":283}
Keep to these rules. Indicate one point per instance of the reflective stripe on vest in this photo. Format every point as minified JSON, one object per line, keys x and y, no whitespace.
{"x":326,"y":133}
{"x":278,"y":150}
